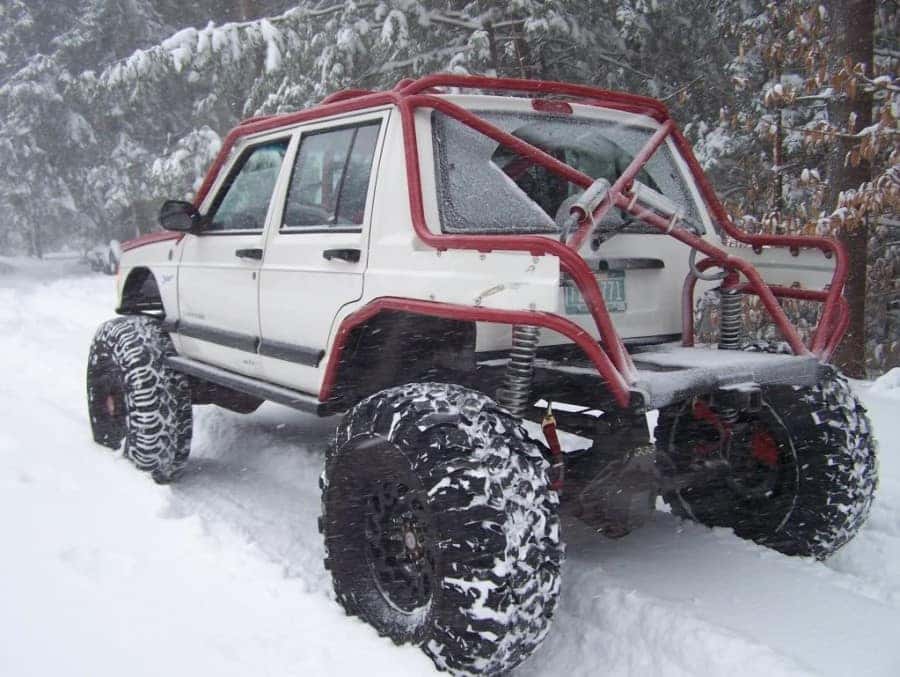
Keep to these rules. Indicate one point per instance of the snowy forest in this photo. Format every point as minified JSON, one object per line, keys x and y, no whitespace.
{"x":108,"y":107}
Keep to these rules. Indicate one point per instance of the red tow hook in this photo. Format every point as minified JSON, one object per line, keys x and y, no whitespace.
{"x":557,"y":468}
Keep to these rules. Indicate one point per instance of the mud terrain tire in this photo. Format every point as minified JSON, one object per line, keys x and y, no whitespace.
{"x":135,"y":397}
{"x":824,"y":478}
{"x":440,"y":526}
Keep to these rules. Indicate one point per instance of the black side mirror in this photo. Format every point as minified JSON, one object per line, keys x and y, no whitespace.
{"x":180,"y":216}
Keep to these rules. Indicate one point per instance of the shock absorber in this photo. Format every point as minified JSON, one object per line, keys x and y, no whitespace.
{"x":731,"y":314}
{"x":515,"y":394}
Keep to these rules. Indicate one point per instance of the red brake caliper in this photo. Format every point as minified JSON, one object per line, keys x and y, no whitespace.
{"x":765,"y":450}
{"x":702,"y":412}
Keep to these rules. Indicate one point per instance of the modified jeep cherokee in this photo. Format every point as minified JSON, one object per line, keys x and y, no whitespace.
{"x":471,"y":270}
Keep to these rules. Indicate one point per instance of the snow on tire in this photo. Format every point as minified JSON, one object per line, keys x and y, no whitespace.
{"x":440,"y":526}
{"x":823,"y":471}
{"x":135,"y":397}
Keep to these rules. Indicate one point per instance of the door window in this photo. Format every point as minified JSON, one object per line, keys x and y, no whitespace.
{"x":330,"y":181}
{"x":243,"y":202}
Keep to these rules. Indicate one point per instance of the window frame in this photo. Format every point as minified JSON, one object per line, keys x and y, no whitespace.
{"x":335,"y":125}
{"x":584,"y":114}
{"x":223,"y":185}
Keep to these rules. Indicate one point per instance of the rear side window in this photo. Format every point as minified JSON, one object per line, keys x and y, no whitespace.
{"x":330,"y":180}
{"x":243,"y":201}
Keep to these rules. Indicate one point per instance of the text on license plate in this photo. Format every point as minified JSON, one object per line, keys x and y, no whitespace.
{"x":612,"y":285}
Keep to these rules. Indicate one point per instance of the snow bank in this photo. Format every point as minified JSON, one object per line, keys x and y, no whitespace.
{"x":888,"y":385}
{"x":121,"y":576}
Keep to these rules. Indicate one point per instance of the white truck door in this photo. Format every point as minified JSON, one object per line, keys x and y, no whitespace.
{"x":218,"y":278}
{"x":317,"y":250}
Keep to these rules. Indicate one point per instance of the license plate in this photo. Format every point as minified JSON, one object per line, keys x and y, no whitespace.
{"x":612,"y":285}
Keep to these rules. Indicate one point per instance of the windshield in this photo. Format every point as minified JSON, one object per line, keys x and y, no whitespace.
{"x":484,"y":187}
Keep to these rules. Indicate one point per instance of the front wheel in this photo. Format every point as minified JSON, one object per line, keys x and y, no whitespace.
{"x":802,"y":473}
{"x":135,"y":397}
{"x":440,"y":526}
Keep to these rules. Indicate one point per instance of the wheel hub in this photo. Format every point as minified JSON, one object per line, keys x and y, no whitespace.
{"x":754,"y":462}
{"x":395,"y":528}
{"x":411,"y":542}
{"x":748,"y":447}
{"x":110,"y":404}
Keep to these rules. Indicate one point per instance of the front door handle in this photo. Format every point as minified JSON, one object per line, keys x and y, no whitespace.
{"x":255,"y":254}
{"x":348,"y":255}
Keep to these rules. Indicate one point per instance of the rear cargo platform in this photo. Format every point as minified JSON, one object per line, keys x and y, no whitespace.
{"x":666,"y":373}
{"x":671,"y":373}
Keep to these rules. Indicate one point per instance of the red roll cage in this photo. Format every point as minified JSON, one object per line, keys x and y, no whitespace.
{"x":609,"y":356}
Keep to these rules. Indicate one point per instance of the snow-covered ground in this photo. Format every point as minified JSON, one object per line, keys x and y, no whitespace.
{"x":104,"y":573}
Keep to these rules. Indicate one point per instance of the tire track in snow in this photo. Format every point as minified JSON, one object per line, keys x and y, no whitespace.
{"x":674,"y":598}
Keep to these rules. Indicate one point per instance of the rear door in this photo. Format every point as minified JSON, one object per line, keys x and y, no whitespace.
{"x":317,"y":249}
{"x":218,"y":278}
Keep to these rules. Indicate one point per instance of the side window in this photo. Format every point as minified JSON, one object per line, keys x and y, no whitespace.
{"x":244,"y":199}
{"x":331,"y":177}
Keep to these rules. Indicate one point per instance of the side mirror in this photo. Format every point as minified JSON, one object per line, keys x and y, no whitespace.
{"x":180,"y":216}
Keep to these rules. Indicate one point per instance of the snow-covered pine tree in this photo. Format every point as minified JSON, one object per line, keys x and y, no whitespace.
{"x":141,"y":125}
{"x":51,"y":141}
{"x":792,"y":110}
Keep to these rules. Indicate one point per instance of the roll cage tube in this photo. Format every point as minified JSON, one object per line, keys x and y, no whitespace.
{"x":561,"y":325}
{"x":410,"y":95}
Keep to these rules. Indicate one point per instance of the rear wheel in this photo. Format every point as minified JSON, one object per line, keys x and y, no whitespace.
{"x":136,"y":398}
{"x":440,"y":526}
{"x":802,"y":473}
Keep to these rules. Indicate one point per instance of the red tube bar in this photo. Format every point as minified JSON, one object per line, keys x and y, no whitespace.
{"x":561,"y":325}
{"x":825,"y":244}
{"x":570,"y":261}
{"x":637,"y":164}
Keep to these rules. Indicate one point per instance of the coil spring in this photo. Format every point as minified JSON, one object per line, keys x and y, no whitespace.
{"x":727,"y":415}
{"x":731,"y":319}
{"x":515,"y":394}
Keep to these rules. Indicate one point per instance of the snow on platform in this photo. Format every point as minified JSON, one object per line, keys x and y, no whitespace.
{"x":670,"y":372}
{"x":103,"y":573}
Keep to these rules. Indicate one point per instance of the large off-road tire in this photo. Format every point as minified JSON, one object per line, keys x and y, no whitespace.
{"x":135,"y":397}
{"x":440,"y":526}
{"x":801,"y":482}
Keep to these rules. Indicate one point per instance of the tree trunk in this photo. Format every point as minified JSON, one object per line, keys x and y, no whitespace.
{"x":852,"y":29}
{"x":492,"y":48}
{"x":37,"y":245}
{"x":778,"y":143}
{"x":249,"y":9}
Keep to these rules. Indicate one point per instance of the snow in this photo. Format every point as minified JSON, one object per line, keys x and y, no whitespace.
{"x":105,"y":573}
{"x":220,"y":574}
{"x":272,"y":38}
{"x":888,"y":386}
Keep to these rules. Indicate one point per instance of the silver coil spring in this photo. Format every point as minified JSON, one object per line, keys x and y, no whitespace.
{"x":731,"y":319}
{"x":727,"y":415}
{"x":515,"y":394}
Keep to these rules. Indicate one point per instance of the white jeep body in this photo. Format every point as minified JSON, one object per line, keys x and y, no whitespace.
{"x":448,"y":269}
{"x":275,"y":318}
